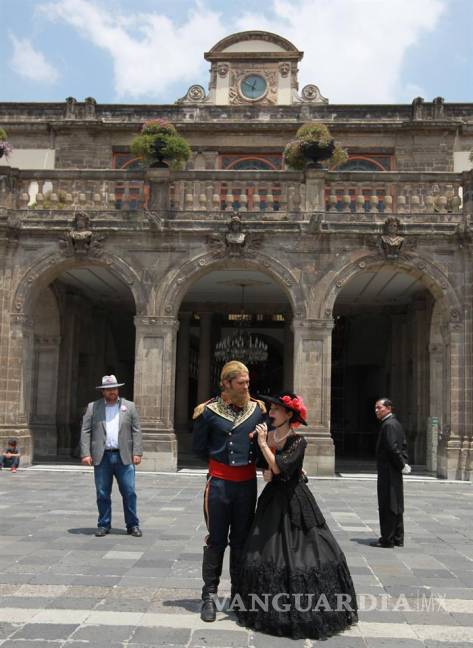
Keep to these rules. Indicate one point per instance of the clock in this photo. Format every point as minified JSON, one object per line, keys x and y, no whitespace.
{"x":253,"y":87}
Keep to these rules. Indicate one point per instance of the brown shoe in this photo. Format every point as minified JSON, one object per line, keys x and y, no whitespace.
{"x":135,"y":532}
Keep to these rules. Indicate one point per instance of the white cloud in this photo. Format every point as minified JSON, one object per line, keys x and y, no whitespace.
{"x":354,"y":49}
{"x":30,"y":63}
{"x":149,"y":51}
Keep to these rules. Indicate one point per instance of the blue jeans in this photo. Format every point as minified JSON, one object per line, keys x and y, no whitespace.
{"x":9,"y":462}
{"x":110,"y":466}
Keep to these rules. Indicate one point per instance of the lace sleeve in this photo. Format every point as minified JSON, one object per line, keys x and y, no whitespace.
{"x":291,"y":459}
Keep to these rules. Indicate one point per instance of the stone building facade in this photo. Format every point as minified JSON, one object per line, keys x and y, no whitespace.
{"x":359,"y":278}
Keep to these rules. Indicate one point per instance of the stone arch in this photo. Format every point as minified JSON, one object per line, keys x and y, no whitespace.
{"x":322,"y":302}
{"x":78,"y":355}
{"x":282,"y":44}
{"x":48,"y":267}
{"x":420,"y":379}
{"x":171,"y":293}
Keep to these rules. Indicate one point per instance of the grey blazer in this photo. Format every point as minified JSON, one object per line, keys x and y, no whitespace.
{"x":94,"y":433}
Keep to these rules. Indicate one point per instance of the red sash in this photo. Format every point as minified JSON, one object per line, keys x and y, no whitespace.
{"x":231,"y":473}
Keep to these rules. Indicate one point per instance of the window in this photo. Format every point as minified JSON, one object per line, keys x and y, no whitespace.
{"x":368,"y":162}
{"x":250,"y":162}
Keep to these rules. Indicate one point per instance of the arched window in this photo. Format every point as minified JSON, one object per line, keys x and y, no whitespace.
{"x":365,"y":163}
{"x":250,"y":162}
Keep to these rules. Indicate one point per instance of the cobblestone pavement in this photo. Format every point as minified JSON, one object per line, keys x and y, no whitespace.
{"x":62,"y":586}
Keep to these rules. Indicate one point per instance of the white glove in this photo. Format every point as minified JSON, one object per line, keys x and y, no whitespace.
{"x":406,"y":470}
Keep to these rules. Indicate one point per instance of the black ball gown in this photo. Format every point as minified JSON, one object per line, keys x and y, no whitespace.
{"x":294,"y":579}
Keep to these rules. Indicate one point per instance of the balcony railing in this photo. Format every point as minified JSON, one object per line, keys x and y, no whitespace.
{"x":264,"y":194}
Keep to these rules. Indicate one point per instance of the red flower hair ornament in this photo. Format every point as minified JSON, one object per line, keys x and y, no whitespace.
{"x":292,"y":403}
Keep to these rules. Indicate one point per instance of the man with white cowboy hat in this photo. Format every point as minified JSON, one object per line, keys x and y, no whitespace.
{"x":112,"y":442}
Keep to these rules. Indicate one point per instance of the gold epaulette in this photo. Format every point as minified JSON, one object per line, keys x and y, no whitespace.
{"x":199,"y":409}
{"x":261,"y":405}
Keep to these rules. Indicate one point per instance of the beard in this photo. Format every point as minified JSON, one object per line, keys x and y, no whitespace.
{"x":236,"y":398}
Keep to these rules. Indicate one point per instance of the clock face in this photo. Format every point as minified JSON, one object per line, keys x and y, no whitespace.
{"x":253,"y":86}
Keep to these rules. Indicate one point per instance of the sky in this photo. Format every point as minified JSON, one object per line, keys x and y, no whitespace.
{"x":151,"y":51}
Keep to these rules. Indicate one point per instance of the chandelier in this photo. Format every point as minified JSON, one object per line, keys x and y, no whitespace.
{"x":242,"y":345}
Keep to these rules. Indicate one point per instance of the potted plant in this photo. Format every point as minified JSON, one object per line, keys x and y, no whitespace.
{"x":313,"y":143}
{"x":5,"y":147}
{"x":160,"y":145}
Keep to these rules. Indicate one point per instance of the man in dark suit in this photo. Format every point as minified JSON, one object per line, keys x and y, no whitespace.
{"x":391,"y":461}
{"x":111,"y":440}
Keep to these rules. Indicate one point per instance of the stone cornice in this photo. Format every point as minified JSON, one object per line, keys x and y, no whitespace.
{"x":18,"y":116}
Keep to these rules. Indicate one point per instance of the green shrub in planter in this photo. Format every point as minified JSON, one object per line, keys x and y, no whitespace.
{"x":159,"y":144}
{"x":313,"y":143}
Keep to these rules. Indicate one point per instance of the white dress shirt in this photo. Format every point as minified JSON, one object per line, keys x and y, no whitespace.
{"x":112,"y":416}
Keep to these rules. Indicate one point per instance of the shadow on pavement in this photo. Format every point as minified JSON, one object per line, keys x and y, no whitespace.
{"x":91,"y":531}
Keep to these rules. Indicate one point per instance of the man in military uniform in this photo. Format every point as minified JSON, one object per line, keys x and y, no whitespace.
{"x":221,"y":436}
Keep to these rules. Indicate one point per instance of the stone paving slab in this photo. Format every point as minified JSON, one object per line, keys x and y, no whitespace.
{"x":62,"y":586}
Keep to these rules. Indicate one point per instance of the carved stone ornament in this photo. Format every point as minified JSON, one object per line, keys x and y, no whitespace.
{"x":90,"y":105}
{"x":195,"y":94}
{"x":223,"y":69}
{"x":284,"y":69}
{"x":70,"y":108}
{"x":155,"y":220}
{"x":310,"y":94}
{"x":81,"y":240}
{"x":13,"y":227}
{"x":464,"y":232}
{"x":234,"y":242}
{"x":391,"y":241}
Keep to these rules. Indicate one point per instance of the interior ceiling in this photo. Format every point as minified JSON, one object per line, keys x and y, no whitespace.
{"x":225,"y":286}
{"x":99,"y":285}
{"x":386,"y":286}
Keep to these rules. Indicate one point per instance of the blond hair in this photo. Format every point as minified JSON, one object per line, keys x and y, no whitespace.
{"x":231,"y":370}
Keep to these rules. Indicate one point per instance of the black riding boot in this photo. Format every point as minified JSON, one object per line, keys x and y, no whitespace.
{"x":211,"y":571}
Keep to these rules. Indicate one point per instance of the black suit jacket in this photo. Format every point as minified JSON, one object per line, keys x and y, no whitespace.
{"x":391,"y":457}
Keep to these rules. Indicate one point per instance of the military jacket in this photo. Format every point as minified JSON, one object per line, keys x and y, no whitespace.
{"x":222,"y":434}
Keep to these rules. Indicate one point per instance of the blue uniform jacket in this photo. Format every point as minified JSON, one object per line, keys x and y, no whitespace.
{"x":217,"y":435}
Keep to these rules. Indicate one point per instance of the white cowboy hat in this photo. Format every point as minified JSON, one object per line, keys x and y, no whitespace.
{"x":109,"y":382}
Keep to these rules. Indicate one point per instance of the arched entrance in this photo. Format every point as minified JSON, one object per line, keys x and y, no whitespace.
{"x":383,"y":345}
{"x":82,"y":328}
{"x":216,"y":306}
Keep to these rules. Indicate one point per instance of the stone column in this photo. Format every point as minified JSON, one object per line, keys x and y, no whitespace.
{"x":452,"y":452}
{"x":312,"y":380}
{"x":182,"y":372}
{"x":155,"y":365}
{"x":288,"y":353}
{"x":205,"y":357}
{"x":315,"y":190}
{"x":15,"y":384}
{"x":436,"y":418}
{"x":159,"y":188}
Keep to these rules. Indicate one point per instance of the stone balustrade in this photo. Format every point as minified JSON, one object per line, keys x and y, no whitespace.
{"x":272,"y":194}
{"x":241,"y":191}
{"x":400,"y":193}
{"x":72,"y":188}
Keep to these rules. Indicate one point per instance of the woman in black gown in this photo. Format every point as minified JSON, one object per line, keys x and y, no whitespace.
{"x":294,"y":579}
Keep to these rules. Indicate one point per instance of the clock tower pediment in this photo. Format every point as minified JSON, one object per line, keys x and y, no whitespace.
{"x":253,"y":67}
